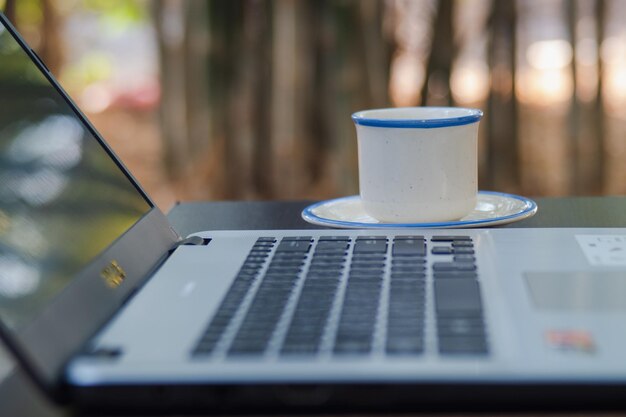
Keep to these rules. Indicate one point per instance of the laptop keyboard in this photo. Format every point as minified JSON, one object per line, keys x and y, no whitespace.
{"x":350,"y":296}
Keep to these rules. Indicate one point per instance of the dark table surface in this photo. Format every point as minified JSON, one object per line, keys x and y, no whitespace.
{"x":19,"y":398}
{"x":226,"y":215}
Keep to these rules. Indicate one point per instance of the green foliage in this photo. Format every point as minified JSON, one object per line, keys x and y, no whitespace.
{"x":29,"y":12}
{"x":94,"y":66}
{"x":118,"y":14}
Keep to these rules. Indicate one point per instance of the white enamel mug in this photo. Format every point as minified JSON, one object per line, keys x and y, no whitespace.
{"x":418,"y":164}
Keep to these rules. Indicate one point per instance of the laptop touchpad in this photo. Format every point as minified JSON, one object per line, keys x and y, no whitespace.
{"x":577,"y":291}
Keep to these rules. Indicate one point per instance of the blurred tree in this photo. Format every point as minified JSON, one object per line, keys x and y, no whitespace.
{"x":594,"y":170}
{"x":279,"y":81}
{"x":257,"y":94}
{"x":501,"y":113}
{"x":51,"y":47}
{"x":9,"y":9}
{"x":436,"y":89}
{"x":586,"y":115}
{"x":42,"y":19}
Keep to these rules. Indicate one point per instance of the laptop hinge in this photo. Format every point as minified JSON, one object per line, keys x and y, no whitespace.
{"x":191,"y":241}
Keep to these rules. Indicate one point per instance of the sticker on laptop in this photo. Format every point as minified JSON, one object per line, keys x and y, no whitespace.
{"x":604,"y":250}
{"x":580,"y":341}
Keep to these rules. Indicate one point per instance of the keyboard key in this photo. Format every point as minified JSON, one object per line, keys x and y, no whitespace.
{"x":297,"y":239}
{"x":289,"y":256}
{"x":275,"y":270}
{"x":408,"y":237}
{"x":251,"y":266}
{"x":454,"y":266}
{"x":370,"y":246}
{"x":328,"y":257}
{"x":328,"y":261}
{"x":334,"y":239}
{"x":461,"y":331}
{"x":408,"y":260}
{"x":442,"y":250}
{"x":462,"y":243}
{"x":252,"y":258}
{"x":262,"y":243}
{"x":326,"y":268}
{"x":293,"y":246}
{"x":405,"y":285}
{"x":298,"y":348}
{"x":461,"y":321}
{"x":286,"y":263}
{"x":463,"y":346}
{"x":379,"y":258}
{"x":409,"y":248}
{"x":253,"y":263}
{"x":464,"y":258}
{"x":407,"y":268}
{"x":450,"y":238}
{"x":261,"y":249}
{"x":331,"y":246}
{"x":457,"y":296}
{"x":357,"y":274}
{"x":455,"y":274}
{"x":408,"y":275}
{"x":353,"y":346}
{"x":367,"y":265}
{"x":360,"y":238}
{"x":259,"y":253}
{"x":317,"y":275}
{"x":404,"y":345}
{"x":463,"y":251}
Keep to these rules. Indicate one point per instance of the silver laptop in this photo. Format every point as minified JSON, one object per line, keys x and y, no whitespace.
{"x":107,"y":307}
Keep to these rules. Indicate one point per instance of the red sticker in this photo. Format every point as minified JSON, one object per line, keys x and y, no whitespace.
{"x":571,"y":340}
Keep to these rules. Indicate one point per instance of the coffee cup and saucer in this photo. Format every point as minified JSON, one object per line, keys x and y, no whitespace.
{"x":418,"y":168}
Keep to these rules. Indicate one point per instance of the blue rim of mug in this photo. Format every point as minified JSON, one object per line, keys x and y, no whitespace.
{"x":528,"y":210}
{"x":472,"y":116}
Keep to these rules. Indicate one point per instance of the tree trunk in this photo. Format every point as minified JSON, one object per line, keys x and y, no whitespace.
{"x":501,"y":120}
{"x":9,"y":11}
{"x":170,"y":23}
{"x":51,"y":48}
{"x":436,"y":89}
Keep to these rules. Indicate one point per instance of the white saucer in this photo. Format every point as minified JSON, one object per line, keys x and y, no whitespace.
{"x":491,"y":209}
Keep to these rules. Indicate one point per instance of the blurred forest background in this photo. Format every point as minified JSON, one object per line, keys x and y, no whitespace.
{"x":251,"y":99}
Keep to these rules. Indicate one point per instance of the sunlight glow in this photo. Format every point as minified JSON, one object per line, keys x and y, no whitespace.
{"x":470,"y":82}
{"x":96,"y":98}
{"x":613,"y":50}
{"x":407,"y":77}
{"x":586,"y":70}
{"x":546,"y":87}
{"x":549,"y":54}
{"x":614,"y":89}
{"x":613,"y":53}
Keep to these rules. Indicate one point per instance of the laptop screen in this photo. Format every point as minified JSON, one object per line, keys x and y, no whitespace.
{"x":63,"y":199}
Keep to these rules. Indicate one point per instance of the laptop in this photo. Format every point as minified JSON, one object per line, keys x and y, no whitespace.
{"x":108,"y":308}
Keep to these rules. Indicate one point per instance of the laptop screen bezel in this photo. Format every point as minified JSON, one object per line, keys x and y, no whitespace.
{"x":63,"y":328}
